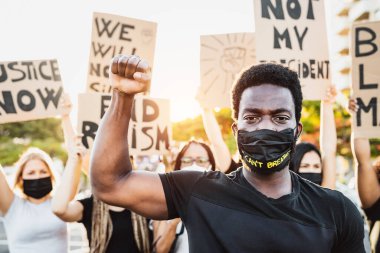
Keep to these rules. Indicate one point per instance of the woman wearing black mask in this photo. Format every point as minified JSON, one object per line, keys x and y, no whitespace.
{"x":29,"y":223}
{"x":307,"y":160}
{"x":319,"y":167}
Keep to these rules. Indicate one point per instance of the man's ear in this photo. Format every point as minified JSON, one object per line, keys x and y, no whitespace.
{"x":234,"y":128}
{"x":299,"y":130}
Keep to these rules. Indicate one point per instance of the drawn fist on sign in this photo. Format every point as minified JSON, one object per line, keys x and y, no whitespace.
{"x":233,"y":60}
{"x":129,"y":74}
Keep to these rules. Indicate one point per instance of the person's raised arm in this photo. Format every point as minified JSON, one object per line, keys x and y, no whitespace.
{"x":62,"y":204}
{"x":65,"y":107}
{"x":367,"y":182}
{"x":6,"y":194}
{"x":112,"y":178}
{"x":328,"y":139}
{"x":214,"y":134}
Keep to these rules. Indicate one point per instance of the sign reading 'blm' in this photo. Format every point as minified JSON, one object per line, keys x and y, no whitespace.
{"x":365,"y":48}
{"x":29,"y":90}
{"x":113,"y":35}
{"x":149,"y":129}
{"x":293,"y":33}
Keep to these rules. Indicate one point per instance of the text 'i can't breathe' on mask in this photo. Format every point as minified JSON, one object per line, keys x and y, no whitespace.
{"x":266,"y":151}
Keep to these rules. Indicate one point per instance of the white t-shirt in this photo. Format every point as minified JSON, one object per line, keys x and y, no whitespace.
{"x":33,"y":228}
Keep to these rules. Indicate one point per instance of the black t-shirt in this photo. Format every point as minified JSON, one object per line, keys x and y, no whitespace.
{"x":122,"y":238}
{"x":373,"y":214}
{"x":233,"y":166}
{"x":224,"y":213}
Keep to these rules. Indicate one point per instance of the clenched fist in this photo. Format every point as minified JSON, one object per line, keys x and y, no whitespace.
{"x":129,"y":74}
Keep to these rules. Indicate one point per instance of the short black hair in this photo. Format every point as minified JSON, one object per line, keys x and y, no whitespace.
{"x":299,"y":152}
{"x":211,"y":158}
{"x":268,"y":73}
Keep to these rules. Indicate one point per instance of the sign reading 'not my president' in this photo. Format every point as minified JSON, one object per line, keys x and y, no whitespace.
{"x":293,"y":33}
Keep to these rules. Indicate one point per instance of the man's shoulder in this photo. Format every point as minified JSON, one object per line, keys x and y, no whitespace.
{"x":325,"y":196}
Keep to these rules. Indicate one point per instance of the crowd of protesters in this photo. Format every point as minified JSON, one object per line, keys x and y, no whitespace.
{"x":203,"y":200}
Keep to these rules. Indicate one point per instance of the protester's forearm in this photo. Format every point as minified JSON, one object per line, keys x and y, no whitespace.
{"x":166,"y":239}
{"x":368,"y":185}
{"x":214,"y":134}
{"x":68,"y":130}
{"x":69,"y":186}
{"x":328,"y":143}
{"x":110,"y":156}
{"x":328,"y":140}
{"x":6,"y":194}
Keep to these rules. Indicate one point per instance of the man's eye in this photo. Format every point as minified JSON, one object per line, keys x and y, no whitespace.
{"x":281,"y":118}
{"x":251,"y":118}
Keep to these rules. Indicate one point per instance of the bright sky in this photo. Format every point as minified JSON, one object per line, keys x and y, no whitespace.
{"x":44,"y":29}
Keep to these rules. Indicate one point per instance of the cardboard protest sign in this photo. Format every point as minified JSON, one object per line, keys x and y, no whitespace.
{"x":365,"y":48}
{"x":223,"y":57}
{"x":149,"y":129}
{"x":293,"y":33}
{"x":29,"y":90}
{"x":113,"y":35}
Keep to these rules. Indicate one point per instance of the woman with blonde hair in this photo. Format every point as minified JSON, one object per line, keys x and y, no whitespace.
{"x":29,"y":223}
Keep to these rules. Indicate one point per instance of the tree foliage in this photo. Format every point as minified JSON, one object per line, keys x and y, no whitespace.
{"x":193,"y":128}
{"x":17,"y":137}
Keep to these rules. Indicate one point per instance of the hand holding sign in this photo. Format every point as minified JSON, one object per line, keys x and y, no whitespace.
{"x":129,"y":74}
{"x":331,"y":94}
{"x":352,"y":106}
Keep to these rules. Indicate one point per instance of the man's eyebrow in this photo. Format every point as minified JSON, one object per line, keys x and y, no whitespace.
{"x":275,"y":111}
{"x":280,"y":110}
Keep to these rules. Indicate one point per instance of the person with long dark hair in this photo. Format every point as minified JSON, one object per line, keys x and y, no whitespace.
{"x":319,"y":166}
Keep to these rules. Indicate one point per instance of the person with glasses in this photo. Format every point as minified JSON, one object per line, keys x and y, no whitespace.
{"x":171,"y":235}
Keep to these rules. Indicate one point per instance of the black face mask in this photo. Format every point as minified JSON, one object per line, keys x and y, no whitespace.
{"x":266,"y":151}
{"x":37,"y":188}
{"x":316,"y":178}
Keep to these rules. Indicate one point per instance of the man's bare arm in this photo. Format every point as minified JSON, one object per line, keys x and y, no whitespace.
{"x":112,"y":178}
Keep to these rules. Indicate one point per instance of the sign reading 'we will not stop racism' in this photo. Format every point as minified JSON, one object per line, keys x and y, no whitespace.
{"x":29,"y":90}
{"x":293,"y":33}
{"x":365,"y":48}
{"x":113,"y":35}
{"x":149,"y":128}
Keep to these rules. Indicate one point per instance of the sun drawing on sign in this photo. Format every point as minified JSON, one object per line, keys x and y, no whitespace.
{"x":223,"y":57}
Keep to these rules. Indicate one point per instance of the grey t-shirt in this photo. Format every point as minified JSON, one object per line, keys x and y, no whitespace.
{"x":34,"y":228}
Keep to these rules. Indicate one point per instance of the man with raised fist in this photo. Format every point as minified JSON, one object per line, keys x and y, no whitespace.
{"x":262,"y":206}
